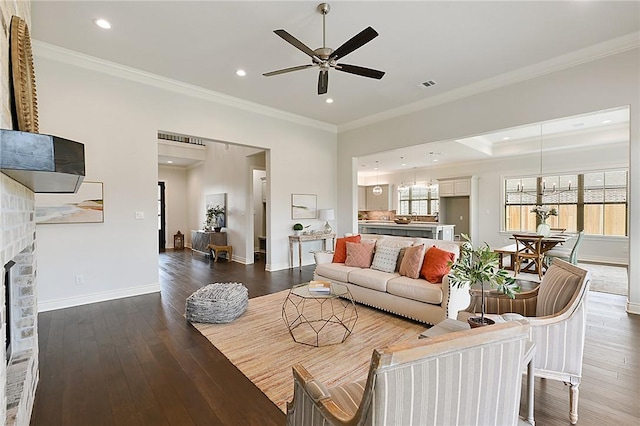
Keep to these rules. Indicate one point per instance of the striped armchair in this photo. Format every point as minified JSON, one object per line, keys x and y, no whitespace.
{"x":461,"y":378}
{"x":557,"y":313}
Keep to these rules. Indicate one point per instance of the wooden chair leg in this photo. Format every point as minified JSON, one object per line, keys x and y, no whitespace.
{"x":573,"y":403}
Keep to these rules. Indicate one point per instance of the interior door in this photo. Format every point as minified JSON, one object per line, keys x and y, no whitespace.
{"x":161,"y":217}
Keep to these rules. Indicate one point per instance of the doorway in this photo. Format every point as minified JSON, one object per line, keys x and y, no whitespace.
{"x":161,"y":218}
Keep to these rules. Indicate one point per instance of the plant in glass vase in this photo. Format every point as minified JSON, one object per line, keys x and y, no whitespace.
{"x":480,"y":266}
{"x":543,"y":213}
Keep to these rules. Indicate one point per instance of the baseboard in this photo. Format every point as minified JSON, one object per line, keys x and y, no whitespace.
{"x":50,"y":305}
{"x":633,"y":308}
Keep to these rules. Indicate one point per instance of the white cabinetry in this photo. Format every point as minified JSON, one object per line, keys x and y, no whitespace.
{"x":454,"y":187}
{"x":378,"y":202}
{"x":362,"y":197}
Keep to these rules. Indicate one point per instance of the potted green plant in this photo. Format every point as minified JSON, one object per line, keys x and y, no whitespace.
{"x":479,"y":265}
{"x":297,"y":228}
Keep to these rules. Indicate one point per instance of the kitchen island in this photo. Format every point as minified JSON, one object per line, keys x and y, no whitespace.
{"x":433,"y":230}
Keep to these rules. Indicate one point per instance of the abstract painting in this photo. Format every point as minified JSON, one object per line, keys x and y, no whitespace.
{"x":85,"y":206}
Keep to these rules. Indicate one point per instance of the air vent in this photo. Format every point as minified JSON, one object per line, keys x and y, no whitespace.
{"x":429,"y":83}
{"x":180,"y":138}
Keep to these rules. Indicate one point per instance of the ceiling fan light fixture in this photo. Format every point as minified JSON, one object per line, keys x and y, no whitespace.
{"x":326,"y":58}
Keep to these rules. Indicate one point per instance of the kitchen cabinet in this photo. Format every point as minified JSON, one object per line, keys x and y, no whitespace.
{"x":378,"y":202}
{"x":454,"y":188}
{"x":362,"y":197}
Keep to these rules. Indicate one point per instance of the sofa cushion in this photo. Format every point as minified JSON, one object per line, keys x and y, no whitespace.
{"x":340,"y":252}
{"x":450,"y":246}
{"x":400,"y":257}
{"x":335,"y":271}
{"x":393,"y":242}
{"x":371,"y":278}
{"x":412,"y":261}
{"x":436,"y":264}
{"x":385,"y":259}
{"x":420,"y":290}
{"x":359,"y":254}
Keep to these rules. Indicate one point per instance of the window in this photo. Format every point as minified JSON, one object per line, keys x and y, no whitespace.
{"x":419,"y":200}
{"x":595,"y":202}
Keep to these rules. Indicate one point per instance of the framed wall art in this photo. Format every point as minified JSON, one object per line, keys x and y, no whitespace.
{"x":304,"y":206}
{"x":85,"y":206}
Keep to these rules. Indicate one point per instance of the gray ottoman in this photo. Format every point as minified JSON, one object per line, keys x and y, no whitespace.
{"x":217,"y":303}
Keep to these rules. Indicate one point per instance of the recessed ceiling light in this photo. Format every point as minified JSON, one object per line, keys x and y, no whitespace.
{"x":606,"y":121}
{"x":103,"y":23}
{"x":329,"y":100}
{"x":241,"y":73}
{"x":506,"y":138}
{"x":169,"y":162}
{"x":435,"y":159}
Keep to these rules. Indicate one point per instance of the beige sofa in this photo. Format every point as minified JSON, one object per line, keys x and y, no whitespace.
{"x":417,"y":299}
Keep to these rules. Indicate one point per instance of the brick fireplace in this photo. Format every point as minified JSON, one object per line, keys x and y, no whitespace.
{"x":20,"y":373}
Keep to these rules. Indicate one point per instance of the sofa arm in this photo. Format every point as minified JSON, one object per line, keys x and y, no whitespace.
{"x":454,"y":298}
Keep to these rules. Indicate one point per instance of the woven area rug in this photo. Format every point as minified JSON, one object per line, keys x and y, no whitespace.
{"x":259,"y":344}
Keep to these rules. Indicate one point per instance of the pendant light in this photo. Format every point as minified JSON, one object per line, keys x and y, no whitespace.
{"x":402,"y":185}
{"x":377,"y":190}
{"x":431,"y":186}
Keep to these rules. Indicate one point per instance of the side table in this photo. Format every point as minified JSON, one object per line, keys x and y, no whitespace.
{"x":304,"y":238}
{"x":319,"y":319}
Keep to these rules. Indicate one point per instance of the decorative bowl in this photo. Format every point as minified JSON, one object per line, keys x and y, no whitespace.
{"x":402,"y":220}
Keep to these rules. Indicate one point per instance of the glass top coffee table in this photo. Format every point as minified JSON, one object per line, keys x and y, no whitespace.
{"x":319,"y":318}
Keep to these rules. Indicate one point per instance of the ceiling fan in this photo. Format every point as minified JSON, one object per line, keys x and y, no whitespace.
{"x":326,"y":58}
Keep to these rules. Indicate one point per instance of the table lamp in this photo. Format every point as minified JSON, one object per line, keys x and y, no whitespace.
{"x":326,"y":215}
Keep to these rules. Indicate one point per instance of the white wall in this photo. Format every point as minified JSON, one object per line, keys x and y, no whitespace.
{"x":176,"y":202}
{"x":117,"y":113}
{"x":604,"y":83}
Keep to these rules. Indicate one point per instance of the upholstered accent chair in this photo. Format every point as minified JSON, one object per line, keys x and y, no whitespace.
{"x":460,"y":378}
{"x":557,"y":313}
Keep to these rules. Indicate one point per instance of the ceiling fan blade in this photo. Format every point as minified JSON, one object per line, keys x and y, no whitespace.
{"x":296,"y":43}
{"x":365,"y":72}
{"x":359,"y":40}
{"x":285,"y":70}
{"x":323,"y":82}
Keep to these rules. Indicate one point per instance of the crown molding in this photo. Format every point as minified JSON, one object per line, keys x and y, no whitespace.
{"x":59,"y":54}
{"x":588,"y":54}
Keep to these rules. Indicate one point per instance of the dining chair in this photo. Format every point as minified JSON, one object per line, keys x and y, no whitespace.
{"x":568,"y":254}
{"x":529,"y":247}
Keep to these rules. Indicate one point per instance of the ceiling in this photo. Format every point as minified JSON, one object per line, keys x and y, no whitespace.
{"x":456,"y":44}
{"x":564,"y":134}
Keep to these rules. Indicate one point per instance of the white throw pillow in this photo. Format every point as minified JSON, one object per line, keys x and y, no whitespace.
{"x":385,"y":259}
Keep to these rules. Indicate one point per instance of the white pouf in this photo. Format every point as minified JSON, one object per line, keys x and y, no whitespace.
{"x":217,"y":303}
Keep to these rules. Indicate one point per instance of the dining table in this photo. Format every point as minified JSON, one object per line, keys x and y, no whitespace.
{"x":547,"y":243}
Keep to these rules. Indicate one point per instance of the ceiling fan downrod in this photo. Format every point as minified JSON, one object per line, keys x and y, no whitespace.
{"x":324,"y":8}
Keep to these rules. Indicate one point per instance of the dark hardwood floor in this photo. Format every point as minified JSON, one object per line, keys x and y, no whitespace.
{"x":137,"y":361}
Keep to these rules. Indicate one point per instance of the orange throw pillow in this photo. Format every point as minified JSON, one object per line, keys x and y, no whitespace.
{"x":412,"y":261}
{"x":435,"y":265}
{"x":340,"y":252}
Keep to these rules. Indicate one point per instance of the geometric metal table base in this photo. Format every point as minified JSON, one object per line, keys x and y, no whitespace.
{"x":319,"y":319}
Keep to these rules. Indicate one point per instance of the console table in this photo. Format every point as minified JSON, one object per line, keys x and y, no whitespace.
{"x":201,"y":239}
{"x":299,"y":239}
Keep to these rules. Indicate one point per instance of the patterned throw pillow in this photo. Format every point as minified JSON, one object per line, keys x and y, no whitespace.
{"x":385,"y":259}
{"x":412,"y":261}
{"x":359,"y":254}
{"x":435,"y":265}
{"x":340,"y":252}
